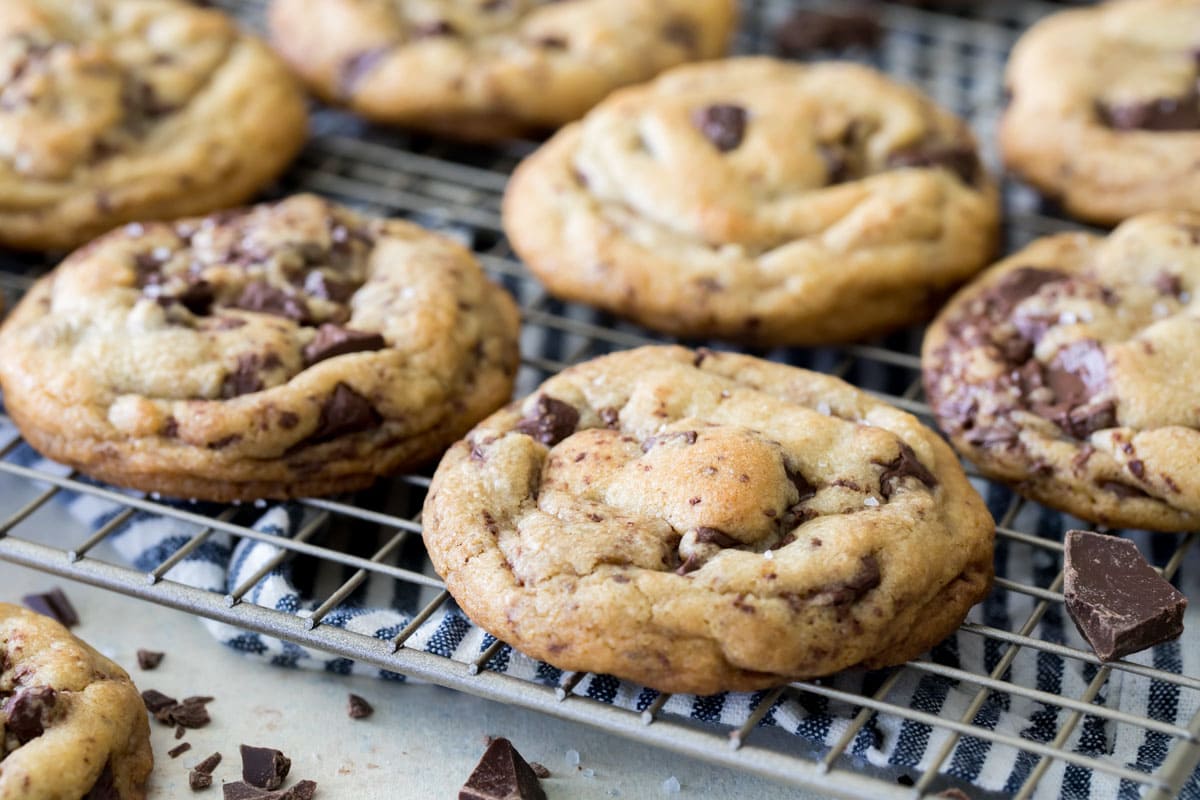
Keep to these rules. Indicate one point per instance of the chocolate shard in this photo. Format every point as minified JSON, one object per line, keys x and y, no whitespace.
{"x":334,"y":340}
{"x":724,"y":125}
{"x":553,"y":421}
{"x":960,"y":159}
{"x":360,"y":708}
{"x":1117,"y":601}
{"x":264,"y":767}
{"x":209,"y":764}
{"x":267,"y":299}
{"x":149,"y":659}
{"x":1159,"y":114}
{"x":502,"y":774}
{"x":905,"y":465}
{"x":29,"y":711}
{"x":344,"y":412}
{"x":178,"y":750}
{"x":239,"y":790}
{"x":53,"y":604}
{"x":105,"y":787}
{"x":156,"y":701}
{"x":805,"y":31}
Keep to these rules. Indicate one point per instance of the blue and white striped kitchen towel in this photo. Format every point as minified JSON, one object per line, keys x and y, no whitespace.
{"x":381,"y":607}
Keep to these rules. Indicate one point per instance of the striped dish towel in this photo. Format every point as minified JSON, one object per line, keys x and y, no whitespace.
{"x":381,"y":607}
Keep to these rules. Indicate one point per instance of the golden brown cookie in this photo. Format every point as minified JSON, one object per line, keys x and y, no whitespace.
{"x":1069,"y":370}
{"x":289,"y":349}
{"x":119,"y":110}
{"x":758,"y":200}
{"x":1105,"y":109}
{"x":700,"y":521}
{"x":72,"y":724}
{"x":486,"y":69}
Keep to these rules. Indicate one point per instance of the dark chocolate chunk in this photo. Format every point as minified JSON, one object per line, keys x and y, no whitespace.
{"x":1017,"y":285}
{"x":715,"y":536}
{"x":502,"y":774}
{"x":1117,"y":601}
{"x":806,"y":30}
{"x":178,"y":750}
{"x":357,"y":66}
{"x":1160,"y":114}
{"x":156,"y":701}
{"x":149,"y":659}
{"x":199,"y":780}
{"x":905,"y":465}
{"x":53,"y":604}
{"x":959,"y":159}
{"x":611,"y":418}
{"x":29,"y":711}
{"x":320,"y":285}
{"x":842,"y":594}
{"x":304,"y":790}
{"x":1122,"y":490}
{"x":209,"y":764}
{"x":197,"y":297}
{"x":238,"y":790}
{"x":190,"y":715}
{"x":552,"y":422}
{"x":105,"y":787}
{"x":345,"y":411}
{"x":360,"y":708}
{"x":246,"y":377}
{"x":264,"y":767}
{"x":724,"y":125}
{"x":334,"y":340}
{"x":267,"y":299}
{"x":1077,"y":372}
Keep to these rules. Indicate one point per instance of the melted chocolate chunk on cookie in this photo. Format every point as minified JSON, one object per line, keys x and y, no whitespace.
{"x":1122,"y":490}
{"x":334,"y":340}
{"x":715,"y":536}
{"x":723,"y":125}
{"x":105,"y":787}
{"x":1075,"y":376}
{"x":1017,"y":285}
{"x":1160,"y":114}
{"x":805,"y":31}
{"x":197,"y":297}
{"x":552,"y":421}
{"x":851,"y":591}
{"x":905,"y":465}
{"x":246,"y":377}
{"x":29,"y":711}
{"x":344,"y":412}
{"x":325,"y":287}
{"x":960,"y":159}
{"x":267,"y":299}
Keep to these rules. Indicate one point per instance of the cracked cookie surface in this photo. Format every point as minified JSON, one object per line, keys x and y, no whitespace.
{"x":288,"y":349}
{"x":118,"y":110}
{"x":758,"y":200}
{"x":485,"y":69}
{"x":72,"y":724}
{"x":1068,"y":370}
{"x":700,"y":521}
{"x":1116,"y":132}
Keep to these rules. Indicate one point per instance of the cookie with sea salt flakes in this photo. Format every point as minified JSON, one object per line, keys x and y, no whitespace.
{"x":699,"y":522}
{"x":1105,"y":109}
{"x":487,"y":69}
{"x":119,"y":110}
{"x":288,"y":349}
{"x":758,"y":200}
{"x":1069,"y":370}
{"x":72,"y":724}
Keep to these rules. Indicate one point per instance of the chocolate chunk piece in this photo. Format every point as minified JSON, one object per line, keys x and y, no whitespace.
{"x":344,"y":412}
{"x":723,"y":125}
{"x":53,"y":604}
{"x":1122,"y":490}
{"x":848,"y":592}
{"x":334,"y":340}
{"x":149,"y":659}
{"x":1117,"y":601}
{"x":199,"y":780}
{"x":105,"y":787}
{"x":1077,"y":372}
{"x":267,"y":299}
{"x":178,"y":750}
{"x":239,"y":790}
{"x":29,"y":711}
{"x":320,"y":285}
{"x":246,"y":377}
{"x":1017,"y":285}
{"x":264,"y":767}
{"x":715,"y":536}
{"x":1160,"y":114}
{"x":156,"y":701}
{"x":197,"y":297}
{"x":552,"y":422}
{"x":805,"y":31}
{"x":502,"y":774}
{"x":539,"y":769}
{"x":360,"y":708}
{"x":905,"y":465}
{"x":208,"y":765}
{"x":959,"y":159}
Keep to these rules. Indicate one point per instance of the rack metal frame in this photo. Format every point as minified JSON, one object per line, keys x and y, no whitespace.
{"x":457,"y":187}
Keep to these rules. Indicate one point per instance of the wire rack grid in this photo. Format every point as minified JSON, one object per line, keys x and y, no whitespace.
{"x":955,"y":52}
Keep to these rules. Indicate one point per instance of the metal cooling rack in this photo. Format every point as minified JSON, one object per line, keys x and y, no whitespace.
{"x":956,"y":53}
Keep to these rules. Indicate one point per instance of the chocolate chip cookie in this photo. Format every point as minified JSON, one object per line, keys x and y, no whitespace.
{"x":700,"y":521}
{"x":118,"y":110}
{"x":487,"y":69}
{"x":289,"y":349}
{"x":1068,"y":370}
{"x":760,"y":201}
{"x":1105,"y":109}
{"x":71,"y":722}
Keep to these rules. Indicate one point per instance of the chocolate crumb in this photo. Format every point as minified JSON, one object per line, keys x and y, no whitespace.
{"x":178,"y":750}
{"x":53,"y":604}
{"x":149,"y":659}
{"x":264,"y":767}
{"x":360,"y":708}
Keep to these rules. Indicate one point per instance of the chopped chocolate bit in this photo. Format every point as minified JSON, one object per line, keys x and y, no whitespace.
{"x":105,"y":787}
{"x":1169,"y":284}
{"x":320,"y":285}
{"x":1117,"y":601}
{"x":267,"y":299}
{"x":334,"y":340}
{"x":805,"y":31}
{"x":208,"y":765}
{"x":841,"y":594}
{"x":433,"y":28}
{"x":345,"y":411}
{"x":539,"y":769}
{"x":53,"y":604}
{"x":681,"y":31}
{"x":552,"y":422}
{"x":239,"y":790}
{"x":199,"y":780}
{"x":149,"y":659}
{"x":264,"y":767}
{"x":502,"y":774}
{"x":1077,"y":372}
{"x":1017,"y":285}
{"x":360,"y":708}
{"x":960,"y":159}
{"x":178,"y":750}
{"x":723,"y":125}
{"x":1160,"y":114}
{"x":190,"y":715}
{"x":903,"y":466}
{"x":179,"y":730}
{"x":804,"y":489}
{"x":690,"y":564}
{"x":197,"y":297}
{"x":1137,"y":467}
{"x":357,"y":66}
{"x":28,"y":712}
{"x":1121,"y":489}
{"x":246,"y":377}
{"x":243,"y":791}
{"x":715,"y":536}
{"x":156,"y":701}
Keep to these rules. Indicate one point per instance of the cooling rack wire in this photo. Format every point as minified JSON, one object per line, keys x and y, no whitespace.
{"x":956,"y":52}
